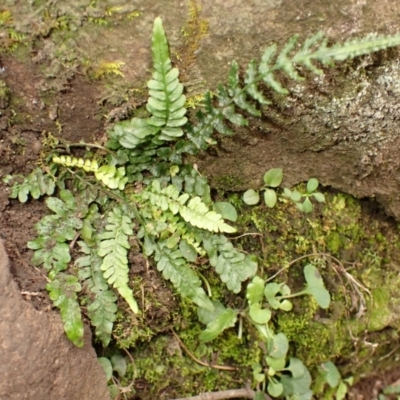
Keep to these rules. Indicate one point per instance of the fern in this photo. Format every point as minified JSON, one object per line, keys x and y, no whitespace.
{"x":63,"y":291}
{"x":101,"y":301}
{"x":175,"y":268}
{"x":144,"y":178}
{"x":233,"y":267}
{"x":193,"y":211}
{"x":55,"y":230}
{"x":35,"y":184}
{"x":113,"y":248}
{"x":166,"y":102}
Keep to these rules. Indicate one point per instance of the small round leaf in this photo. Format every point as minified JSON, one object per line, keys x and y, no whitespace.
{"x":273,"y":177}
{"x":251,"y":197}
{"x":275,"y":389}
{"x":259,"y":315}
{"x":295,"y":196}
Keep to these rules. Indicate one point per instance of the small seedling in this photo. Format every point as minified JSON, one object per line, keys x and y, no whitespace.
{"x":272,"y":180}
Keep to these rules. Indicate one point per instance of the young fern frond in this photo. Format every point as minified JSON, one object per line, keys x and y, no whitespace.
{"x":194,"y":211}
{"x":113,"y":248}
{"x":166,"y":102}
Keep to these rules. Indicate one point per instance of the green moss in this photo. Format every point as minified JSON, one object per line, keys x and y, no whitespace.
{"x":339,"y":237}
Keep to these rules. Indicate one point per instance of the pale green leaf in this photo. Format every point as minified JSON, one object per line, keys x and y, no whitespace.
{"x":319,"y":197}
{"x":330,"y":373}
{"x":255,"y":290}
{"x":259,"y":315}
{"x":307,"y":206}
{"x":188,"y":251}
{"x":275,"y":389}
{"x":278,"y":345}
{"x":278,"y":364}
{"x":312,"y":185}
{"x":119,"y":364}
{"x":296,"y":368}
{"x":315,"y":286}
{"x":226,"y":319}
{"x":341,"y":391}
{"x":273,"y":177}
{"x":107,"y":367}
{"x":226,"y":210}
{"x":270,"y":198}
{"x":251,"y":197}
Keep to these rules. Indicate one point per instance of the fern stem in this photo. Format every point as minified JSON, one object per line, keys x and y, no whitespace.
{"x":93,"y":145}
{"x":209,"y":291}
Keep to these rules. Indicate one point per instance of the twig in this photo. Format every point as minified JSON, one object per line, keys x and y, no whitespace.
{"x":246,"y":234}
{"x":223,"y":394}
{"x":204,"y":364}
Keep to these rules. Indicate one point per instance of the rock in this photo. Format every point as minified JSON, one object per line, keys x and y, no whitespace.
{"x":38,"y":361}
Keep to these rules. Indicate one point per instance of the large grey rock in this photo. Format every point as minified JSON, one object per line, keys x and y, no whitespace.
{"x":37,"y":360}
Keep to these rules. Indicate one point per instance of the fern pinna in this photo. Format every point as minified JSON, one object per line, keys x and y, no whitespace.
{"x":142,"y":189}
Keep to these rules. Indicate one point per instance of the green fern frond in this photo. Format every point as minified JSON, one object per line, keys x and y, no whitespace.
{"x":35,"y":184}
{"x":56,"y":229}
{"x":63,"y":292}
{"x":194,"y":211}
{"x":175,"y":268}
{"x":113,"y":248}
{"x":232,"y":266}
{"x":131,"y":134}
{"x":167,"y":102}
{"x":102,"y":308}
{"x":245,"y":96}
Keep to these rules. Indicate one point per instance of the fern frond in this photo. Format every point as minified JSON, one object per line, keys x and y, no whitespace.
{"x":56,"y":229}
{"x":175,"y":268}
{"x":194,"y":211}
{"x":355,"y":47}
{"x":132,"y":133}
{"x":113,"y":248}
{"x":232,"y":266}
{"x":62,"y":291}
{"x":167,"y":101}
{"x":245,"y":96}
{"x":35,"y":184}
{"x":102,"y":308}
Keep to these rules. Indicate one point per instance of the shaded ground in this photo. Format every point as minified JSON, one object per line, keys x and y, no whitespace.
{"x":50,"y":89}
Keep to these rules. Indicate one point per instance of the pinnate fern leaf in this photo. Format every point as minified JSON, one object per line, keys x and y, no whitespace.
{"x":175,"y":268}
{"x":166,"y":102}
{"x":193,"y":211}
{"x":113,"y":248}
{"x":35,"y":184}
{"x":63,"y":292}
{"x":232,"y":266}
{"x":51,"y":249}
{"x":102,"y":308}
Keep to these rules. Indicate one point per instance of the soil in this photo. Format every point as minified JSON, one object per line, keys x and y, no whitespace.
{"x":72,"y":106}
